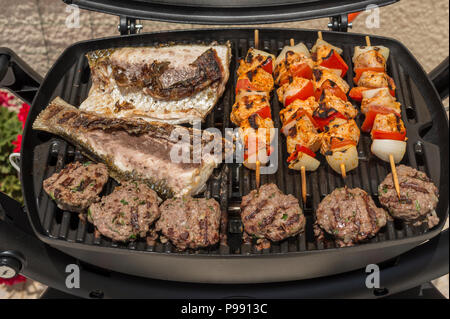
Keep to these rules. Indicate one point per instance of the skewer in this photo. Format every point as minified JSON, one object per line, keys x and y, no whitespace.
{"x":302,"y":168}
{"x":391,"y":157}
{"x":303,"y":173}
{"x":256,"y":38}
{"x":258,"y":174}
{"x":394,"y":175}
{"x":343,"y":172}
{"x":258,"y":163}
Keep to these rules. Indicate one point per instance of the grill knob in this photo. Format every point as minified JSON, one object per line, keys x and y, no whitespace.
{"x":9,"y":267}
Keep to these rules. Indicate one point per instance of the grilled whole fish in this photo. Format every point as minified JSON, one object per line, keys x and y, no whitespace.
{"x":173,"y":84}
{"x":134,"y":149}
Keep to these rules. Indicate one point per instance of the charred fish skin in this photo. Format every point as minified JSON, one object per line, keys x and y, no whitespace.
{"x":173,"y":84}
{"x":131,"y":149}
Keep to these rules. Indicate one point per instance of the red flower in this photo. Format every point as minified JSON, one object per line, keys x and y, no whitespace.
{"x":12,"y":281}
{"x":5,"y":98}
{"x":17,"y":143}
{"x":23,"y":113}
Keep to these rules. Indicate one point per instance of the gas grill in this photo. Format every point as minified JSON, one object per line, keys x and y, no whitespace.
{"x":42,"y":243}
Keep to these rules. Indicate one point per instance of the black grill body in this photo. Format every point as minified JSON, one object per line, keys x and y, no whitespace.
{"x":233,"y":261}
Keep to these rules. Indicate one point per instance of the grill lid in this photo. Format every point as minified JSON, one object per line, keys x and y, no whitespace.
{"x":227,"y":12}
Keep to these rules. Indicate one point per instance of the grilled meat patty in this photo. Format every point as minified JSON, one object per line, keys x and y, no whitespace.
{"x":126,"y":213}
{"x":418,"y":196}
{"x":268,"y":213}
{"x":350,"y":215}
{"x":77,"y":185}
{"x":190,"y":222}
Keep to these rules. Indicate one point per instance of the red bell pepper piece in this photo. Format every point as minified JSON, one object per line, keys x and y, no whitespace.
{"x":322,"y":122}
{"x":298,"y":149}
{"x":383,"y":135}
{"x":335,"y":61}
{"x":305,"y":92}
{"x":371,"y":114}
{"x":268,"y":65}
{"x":336,"y":143}
{"x":264,"y":112}
{"x":332,"y":88}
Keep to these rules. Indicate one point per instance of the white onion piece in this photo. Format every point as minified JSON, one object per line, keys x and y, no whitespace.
{"x":263,"y":158}
{"x":368,"y":94}
{"x":349,"y":157}
{"x":298,"y":48}
{"x":320,"y":42}
{"x":383,"y":148}
{"x":382,"y":49}
{"x":309,"y":162}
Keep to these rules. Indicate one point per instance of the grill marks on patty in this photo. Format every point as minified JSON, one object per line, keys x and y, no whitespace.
{"x":126,"y":213}
{"x":268,"y":213}
{"x":190,"y":222}
{"x":418,"y":196}
{"x":77,"y":185}
{"x":350,"y":215}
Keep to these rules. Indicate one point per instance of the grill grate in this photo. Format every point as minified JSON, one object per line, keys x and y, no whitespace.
{"x":230,"y":182}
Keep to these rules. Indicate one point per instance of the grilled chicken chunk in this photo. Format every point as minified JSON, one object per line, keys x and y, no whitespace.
{"x":77,"y":185}
{"x":256,"y":80}
{"x":337,"y":131}
{"x":248,"y":105}
{"x":268,"y":213}
{"x":372,"y":79}
{"x":256,"y":59}
{"x":388,"y":123}
{"x":257,"y":130}
{"x":190,"y":222}
{"x":133,"y":149}
{"x":290,"y":112}
{"x":329,"y":103}
{"x":126,"y":213}
{"x":418,"y":196}
{"x":303,"y":133}
{"x":380,"y":97}
{"x":294,"y":64}
{"x":350,"y":215}
{"x":368,"y":58}
{"x":321,"y":74}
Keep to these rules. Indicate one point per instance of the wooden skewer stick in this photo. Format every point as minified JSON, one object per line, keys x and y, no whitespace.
{"x":394,"y":175}
{"x":319,"y":35}
{"x":256,"y":38}
{"x":343,"y":173}
{"x":302,"y":168}
{"x":391,"y":157}
{"x":258,"y":173}
{"x":303,"y":173}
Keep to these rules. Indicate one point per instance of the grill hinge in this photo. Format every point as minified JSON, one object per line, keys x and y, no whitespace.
{"x":339,"y":23}
{"x":129,"y":25}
